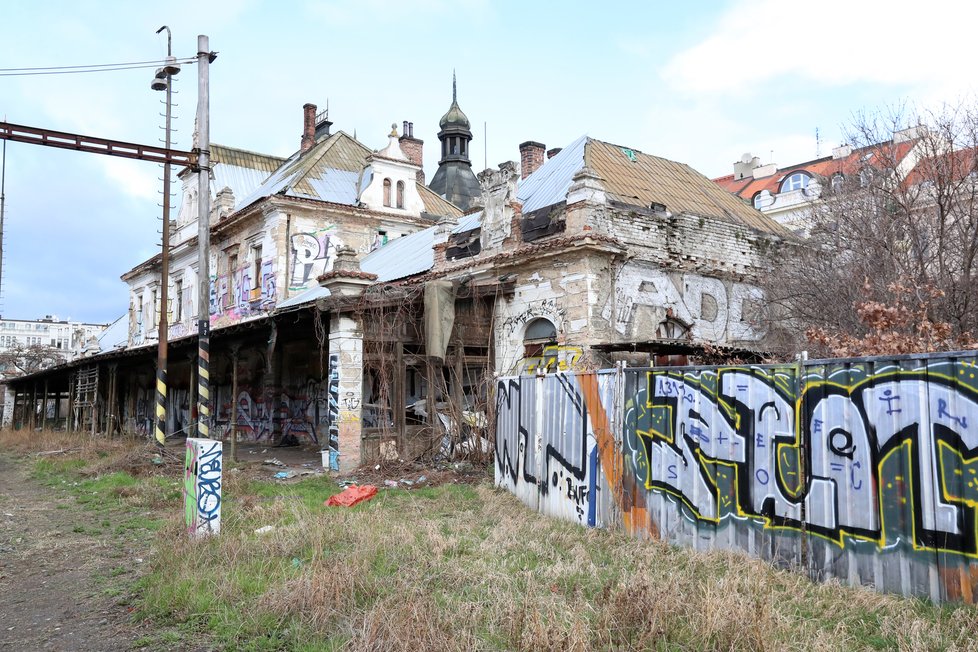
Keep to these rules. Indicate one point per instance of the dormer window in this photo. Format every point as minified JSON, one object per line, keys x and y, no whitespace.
{"x":837,"y":182}
{"x":400,"y":194}
{"x":795,"y":181}
{"x":763,"y":200}
{"x":865,"y":177}
{"x":387,"y":192}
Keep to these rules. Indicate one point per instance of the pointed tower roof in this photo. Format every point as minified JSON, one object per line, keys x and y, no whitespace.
{"x":454,"y":179}
{"x":454,"y":117}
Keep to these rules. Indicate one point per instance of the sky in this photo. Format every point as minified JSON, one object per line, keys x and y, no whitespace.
{"x":700,"y":83}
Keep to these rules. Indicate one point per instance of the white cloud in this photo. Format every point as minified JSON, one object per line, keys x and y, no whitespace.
{"x":137,"y":178}
{"x":834,"y":42}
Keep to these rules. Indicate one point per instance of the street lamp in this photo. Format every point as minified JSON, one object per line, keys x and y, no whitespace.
{"x":163,"y":81}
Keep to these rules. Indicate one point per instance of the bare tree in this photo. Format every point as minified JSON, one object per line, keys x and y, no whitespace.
{"x":891,"y":262}
{"x":21,"y":359}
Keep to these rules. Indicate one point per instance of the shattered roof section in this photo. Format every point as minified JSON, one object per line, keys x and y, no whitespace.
{"x":306,"y":296}
{"x":549,"y":183}
{"x":240,"y":170}
{"x":408,"y":255}
{"x":637,"y":179}
{"x":116,"y":336}
{"x":329,"y":172}
{"x":469,"y":222}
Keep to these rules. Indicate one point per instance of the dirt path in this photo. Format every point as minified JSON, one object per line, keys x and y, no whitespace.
{"x":63,"y":579}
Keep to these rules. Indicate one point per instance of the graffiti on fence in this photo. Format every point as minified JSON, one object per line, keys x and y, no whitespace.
{"x":202,"y":486}
{"x":885,"y":456}
{"x":862,"y":457}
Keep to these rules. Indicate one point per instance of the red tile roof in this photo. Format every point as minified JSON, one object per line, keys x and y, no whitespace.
{"x":825,"y":168}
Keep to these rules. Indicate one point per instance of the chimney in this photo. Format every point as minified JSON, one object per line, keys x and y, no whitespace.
{"x":413,"y":148}
{"x":745,"y":166}
{"x":308,"y":127}
{"x":552,"y":152}
{"x":842,"y":151}
{"x":531,"y":157}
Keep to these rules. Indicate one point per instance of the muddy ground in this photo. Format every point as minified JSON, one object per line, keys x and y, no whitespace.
{"x":64,"y":576}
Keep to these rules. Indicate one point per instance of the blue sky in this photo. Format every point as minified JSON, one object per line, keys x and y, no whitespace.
{"x":699,"y":82}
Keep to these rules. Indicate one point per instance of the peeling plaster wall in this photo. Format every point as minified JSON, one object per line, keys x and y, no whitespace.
{"x":717,"y":310}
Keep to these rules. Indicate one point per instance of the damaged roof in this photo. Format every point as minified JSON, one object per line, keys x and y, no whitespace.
{"x":402,"y":257}
{"x":240,"y":170}
{"x":329,"y":171}
{"x":634,"y":178}
{"x":332,"y":170}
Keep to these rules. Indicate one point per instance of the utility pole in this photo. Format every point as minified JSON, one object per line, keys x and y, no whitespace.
{"x":3,"y":200}
{"x":204,"y":59}
{"x":164,"y":78}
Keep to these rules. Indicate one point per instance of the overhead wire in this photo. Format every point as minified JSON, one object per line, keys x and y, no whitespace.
{"x":100,"y":67}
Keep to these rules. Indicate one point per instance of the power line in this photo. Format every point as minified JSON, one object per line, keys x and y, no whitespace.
{"x":102,"y":67}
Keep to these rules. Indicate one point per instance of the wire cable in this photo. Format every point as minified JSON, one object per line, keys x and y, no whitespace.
{"x":103,"y":67}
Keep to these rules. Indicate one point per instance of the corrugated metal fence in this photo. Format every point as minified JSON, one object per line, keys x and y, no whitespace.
{"x":865,"y":470}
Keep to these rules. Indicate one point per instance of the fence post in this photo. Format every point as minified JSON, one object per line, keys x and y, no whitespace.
{"x":540,"y":408}
{"x":802,"y":452}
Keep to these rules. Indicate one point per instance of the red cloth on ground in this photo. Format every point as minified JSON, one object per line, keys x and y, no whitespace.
{"x":352,"y":495}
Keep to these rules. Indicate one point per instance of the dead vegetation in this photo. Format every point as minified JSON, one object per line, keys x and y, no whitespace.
{"x":467,"y":567}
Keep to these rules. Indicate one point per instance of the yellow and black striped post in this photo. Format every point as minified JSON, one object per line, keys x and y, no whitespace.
{"x":203,"y":380}
{"x":161,"y":404}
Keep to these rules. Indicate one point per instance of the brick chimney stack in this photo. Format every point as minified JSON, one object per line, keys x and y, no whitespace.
{"x":413,"y":148}
{"x":553,"y":152}
{"x":308,"y":127}
{"x":531,"y":157}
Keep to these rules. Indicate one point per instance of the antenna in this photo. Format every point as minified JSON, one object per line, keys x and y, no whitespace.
{"x":454,"y":94}
{"x":818,"y":144}
{"x":485,"y":146}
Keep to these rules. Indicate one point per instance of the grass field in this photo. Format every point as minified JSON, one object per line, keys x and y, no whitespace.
{"x":457,"y":567}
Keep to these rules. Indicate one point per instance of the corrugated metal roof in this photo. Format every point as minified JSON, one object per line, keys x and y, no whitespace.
{"x":115,"y":336}
{"x":306,"y":296}
{"x":240,"y":170}
{"x":328,"y":172}
{"x":405,"y":256}
{"x":436,"y":205}
{"x":549,"y":183}
{"x":469,"y":222}
{"x":632,"y":177}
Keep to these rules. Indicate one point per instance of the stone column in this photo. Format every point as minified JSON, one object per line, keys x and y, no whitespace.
{"x":346,"y":342}
{"x":9,"y":397}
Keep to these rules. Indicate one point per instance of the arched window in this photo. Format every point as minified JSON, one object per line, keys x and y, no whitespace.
{"x":763,"y":199}
{"x":795,"y":181}
{"x":865,"y":177}
{"x":400,"y":194}
{"x":387,"y":192}
{"x":538,"y":334}
{"x":671,"y":329}
{"x":837,"y":182}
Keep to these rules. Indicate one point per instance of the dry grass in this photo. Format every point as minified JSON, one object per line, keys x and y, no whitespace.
{"x":463,"y":567}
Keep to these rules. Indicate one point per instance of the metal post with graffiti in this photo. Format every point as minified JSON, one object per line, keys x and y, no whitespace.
{"x":202,"y":486}
{"x":333,"y":412}
{"x":865,"y":470}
